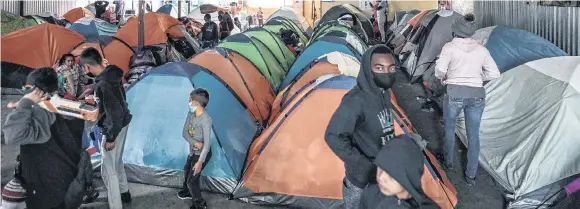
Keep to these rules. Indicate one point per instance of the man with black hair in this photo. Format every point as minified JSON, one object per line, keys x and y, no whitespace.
{"x":210,"y":33}
{"x":197,"y":132}
{"x":50,"y":153}
{"x":363,"y":122}
{"x":224,"y":28}
{"x":113,"y":120}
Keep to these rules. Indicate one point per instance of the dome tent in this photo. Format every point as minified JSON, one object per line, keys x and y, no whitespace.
{"x":91,"y":27}
{"x":363,"y":26}
{"x":275,"y":24}
{"x":295,"y":16}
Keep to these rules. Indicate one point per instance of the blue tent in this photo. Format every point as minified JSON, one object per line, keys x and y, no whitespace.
{"x":168,"y":9}
{"x":91,"y":27}
{"x":319,"y":47}
{"x":155,"y":150}
{"x":512,"y":47}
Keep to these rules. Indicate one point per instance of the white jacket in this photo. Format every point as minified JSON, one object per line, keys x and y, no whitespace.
{"x":464,"y":62}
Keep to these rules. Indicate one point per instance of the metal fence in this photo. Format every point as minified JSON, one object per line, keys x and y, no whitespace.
{"x":560,"y":25}
{"x":36,"y":7}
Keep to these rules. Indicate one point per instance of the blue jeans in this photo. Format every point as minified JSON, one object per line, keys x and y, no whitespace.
{"x":473,"y":109}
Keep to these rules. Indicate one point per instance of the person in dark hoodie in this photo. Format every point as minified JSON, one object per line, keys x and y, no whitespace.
{"x":113,"y":120}
{"x":50,"y":153}
{"x":363,"y":122}
{"x":400,"y":165}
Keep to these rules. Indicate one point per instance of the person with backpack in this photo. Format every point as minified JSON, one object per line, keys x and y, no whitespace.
{"x":463,"y":66}
{"x":50,"y":153}
{"x":363,"y":122}
{"x":400,"y":165}
{"x":113,"y":121}
{"x":210,"y":33}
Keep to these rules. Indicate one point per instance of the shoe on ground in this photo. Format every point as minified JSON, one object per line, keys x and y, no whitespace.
{"x":199,"y":204}
{"x":90,"y":195}
{"x":470,"y":181}
{"x":126,"y":197}
{"x":184,"y":194}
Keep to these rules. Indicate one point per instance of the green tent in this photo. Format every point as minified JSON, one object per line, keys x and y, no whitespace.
{"x":284,"y":56}
{"x":12,"y":22}
{"x":34,"y":20}
{"x":337,"y":30}
{"x":274,"y":25}
{"x":259,"y":54}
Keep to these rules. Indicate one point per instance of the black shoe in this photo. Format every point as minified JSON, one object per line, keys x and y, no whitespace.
{"x":90,"y":195}
{"x":199,"y":204}
{"x":184,"y":195}
{"x":470,"y":181}
{"x":126,"y":197}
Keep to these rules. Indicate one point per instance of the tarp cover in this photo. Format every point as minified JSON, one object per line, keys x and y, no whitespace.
{"x":91,"y":27}
{"x":529,"y":129}
{"x":511,"y":47}
{"x":12,"y":22}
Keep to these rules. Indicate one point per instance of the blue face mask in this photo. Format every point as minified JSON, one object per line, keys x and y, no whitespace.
{"x":192,"y":108}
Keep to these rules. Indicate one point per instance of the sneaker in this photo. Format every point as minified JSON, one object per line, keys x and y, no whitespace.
{"x":470,"y":181}
{"x":91,"y":195}
{"x":126,"y":197}
{"x":184,"y":195}
{"x":199,"y":204}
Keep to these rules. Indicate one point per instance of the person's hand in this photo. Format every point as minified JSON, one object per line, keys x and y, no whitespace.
{"x":197,"y":168}
{"x":36,"y":96}
{"x":12,"y":104}
{"x":109,"y":146}
{"x":198,"y":145}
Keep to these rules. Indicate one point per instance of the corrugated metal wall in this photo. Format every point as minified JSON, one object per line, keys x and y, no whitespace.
{"x":37,"y":7}
{"x":560,"y":25}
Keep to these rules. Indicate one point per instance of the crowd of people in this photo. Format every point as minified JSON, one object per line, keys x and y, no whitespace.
{"x":382,"y":170}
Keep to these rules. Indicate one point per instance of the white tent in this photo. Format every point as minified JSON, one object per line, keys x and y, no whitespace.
{"x":529,"y":130}
{"x":293,"y":15}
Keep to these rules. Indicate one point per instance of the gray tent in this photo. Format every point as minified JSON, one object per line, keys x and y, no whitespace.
{"x":529,"y":130}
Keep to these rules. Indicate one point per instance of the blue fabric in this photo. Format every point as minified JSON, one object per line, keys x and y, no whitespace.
{"x":511,"y":47}
{"x":158,"y":103}
{"x":473,"y":109}
{"x":165,"y":9}
{"x":338,"y":82}
{"x":311,"y":53}
{"x":91,"y":27}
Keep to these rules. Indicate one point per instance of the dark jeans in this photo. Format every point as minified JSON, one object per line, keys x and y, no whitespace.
{"x":192,"y":182}
{"x":473,"y":109}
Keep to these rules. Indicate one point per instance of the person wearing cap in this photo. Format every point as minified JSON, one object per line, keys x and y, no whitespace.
{"x":400,"y":165}
{"x":50,"y":155}
{"x":463,"y":66}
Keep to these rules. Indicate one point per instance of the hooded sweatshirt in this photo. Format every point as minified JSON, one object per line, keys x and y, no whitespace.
{"x":361,"y":125}
{"x":403,"y":160}
{"x":110,"y":95}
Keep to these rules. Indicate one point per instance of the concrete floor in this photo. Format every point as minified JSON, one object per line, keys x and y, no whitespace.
{"x":484,"y":195}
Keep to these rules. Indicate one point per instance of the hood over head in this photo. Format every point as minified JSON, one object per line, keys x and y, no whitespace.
{"x":111,"y":74}
{"x":403,"y":159}
{"x":365,"y":80}
{"x":465,"y":44}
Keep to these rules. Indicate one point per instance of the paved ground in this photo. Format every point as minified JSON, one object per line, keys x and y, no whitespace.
{"x":484,"y":195}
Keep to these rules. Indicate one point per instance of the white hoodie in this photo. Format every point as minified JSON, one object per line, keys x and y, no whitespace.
{"x":464,"y":62}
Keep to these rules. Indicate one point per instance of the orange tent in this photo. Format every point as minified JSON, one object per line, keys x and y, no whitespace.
{"x":242,"y":77}
{"x":157,"y":26}
{"x":39,"y":46}
{"x":77,"y":13}
{"x":286,"y":145}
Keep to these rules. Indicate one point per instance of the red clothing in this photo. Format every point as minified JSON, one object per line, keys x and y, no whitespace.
{"x":291,"y":48}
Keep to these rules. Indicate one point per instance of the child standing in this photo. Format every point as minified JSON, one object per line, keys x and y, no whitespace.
{"x":197,"y":132}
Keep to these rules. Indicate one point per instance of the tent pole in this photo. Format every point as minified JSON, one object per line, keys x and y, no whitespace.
{"x":178,"y":8}
{"x":141,"y":25}
{"x":188,"y":6}
{"x":21,"y":5}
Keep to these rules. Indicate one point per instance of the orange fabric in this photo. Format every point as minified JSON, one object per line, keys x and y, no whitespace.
{"x":441,"y":191}
{"x":118,"y":54}
{"x":77,"y":13}
{"x":38,"y":46}
{"x":157,"y":26}
{"x":319,"y":69}
{"x":257,"y":97}
{"x":297,"y":160}
{"x":415,"y":20}
{"x":79,"y":49}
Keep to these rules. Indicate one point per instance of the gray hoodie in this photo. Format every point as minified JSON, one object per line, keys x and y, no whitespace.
{"x":198,"y":129}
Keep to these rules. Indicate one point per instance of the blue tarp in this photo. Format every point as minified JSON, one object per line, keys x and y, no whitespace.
{"x":320,"y":47}
{"x":91,"y":27}
{"x":511,"y":47}
{"x":159,"y":104}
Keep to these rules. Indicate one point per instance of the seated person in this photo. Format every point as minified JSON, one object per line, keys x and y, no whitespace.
{"x":400,"y":165}
{"x":290,"y":39}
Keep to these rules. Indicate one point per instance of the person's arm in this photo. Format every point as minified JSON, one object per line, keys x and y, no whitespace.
{"x":185,"y":132}
{"x":113,"y":112}
{"x":28,"y":124}
{"x":490,"y":69}
{"x":206,"y":128}
{"x":339,"y":134}
{"x":442,"y":64}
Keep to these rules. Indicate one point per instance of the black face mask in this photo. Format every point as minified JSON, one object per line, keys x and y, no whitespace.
{"x":384,"y":80}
